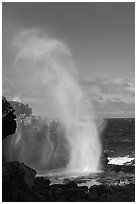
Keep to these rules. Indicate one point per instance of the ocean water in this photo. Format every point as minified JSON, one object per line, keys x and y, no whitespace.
{"x":118,"y":139}
{"x":44,"y":147}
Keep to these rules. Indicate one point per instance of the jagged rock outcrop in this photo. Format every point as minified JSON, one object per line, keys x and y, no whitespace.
{"x":17,"y":182}
{"x":20,"y":184}
{"x":104,"y":193}
{"x":8,"y":119}
{"x":21,"y":108}
{"x":41,"y":189}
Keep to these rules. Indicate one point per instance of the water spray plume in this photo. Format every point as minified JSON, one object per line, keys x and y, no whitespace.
{"x":48,"y":63}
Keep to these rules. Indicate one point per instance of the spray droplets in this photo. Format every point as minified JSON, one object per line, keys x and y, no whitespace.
{"x":49,"y":68}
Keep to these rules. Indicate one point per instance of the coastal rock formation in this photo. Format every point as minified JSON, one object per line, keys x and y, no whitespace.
{"x":21,"y":108}
{"x":17,"y":182}
{"x":41,"y":189}
{"x":20,"y":184}
{"x":8,"y":119}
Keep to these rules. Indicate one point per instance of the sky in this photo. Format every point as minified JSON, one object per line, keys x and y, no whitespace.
{"x":100,"y":38}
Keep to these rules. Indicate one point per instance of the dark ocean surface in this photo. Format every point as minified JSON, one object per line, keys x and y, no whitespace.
{"x":43,"y":147}
{"x":118,"y":138}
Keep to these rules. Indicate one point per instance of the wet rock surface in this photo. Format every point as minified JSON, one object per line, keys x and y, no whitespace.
{"x":114,"y":184}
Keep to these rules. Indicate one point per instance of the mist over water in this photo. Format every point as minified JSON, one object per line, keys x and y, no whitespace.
{"x":47,"y":68}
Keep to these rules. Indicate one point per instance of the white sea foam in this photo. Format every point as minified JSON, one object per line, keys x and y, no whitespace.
{"x":119,"y":160}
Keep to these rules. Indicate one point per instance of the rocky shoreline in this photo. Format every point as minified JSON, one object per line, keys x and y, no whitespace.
{"x":20,"y":184}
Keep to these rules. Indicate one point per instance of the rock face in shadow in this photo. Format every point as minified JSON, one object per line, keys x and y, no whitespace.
{"x":41,"y":189}
{"x":101,"y":193}
{"x":17,"y":182}
{"x":20,"y":184}
{"x":105,"y":193}
{"x":114,"y":191}
{"x":8,"y":119}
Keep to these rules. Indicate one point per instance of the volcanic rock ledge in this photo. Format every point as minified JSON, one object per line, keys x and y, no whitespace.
{"x":20,"y":184}
{"x":17,"y":182}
